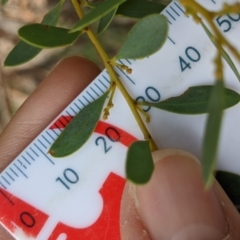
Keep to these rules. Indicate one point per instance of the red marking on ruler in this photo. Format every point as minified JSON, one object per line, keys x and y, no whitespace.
{"x":125,"y":138}
{"x":15,"y":212}
{"x":108,"y":224}
{"x":18,"y":213}
{"x":61,"y":122}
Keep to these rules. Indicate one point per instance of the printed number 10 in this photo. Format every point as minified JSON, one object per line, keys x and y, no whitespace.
{"x":69,"y":176}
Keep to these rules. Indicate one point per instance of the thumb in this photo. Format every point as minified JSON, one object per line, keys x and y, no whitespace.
{"x":175,"y":206}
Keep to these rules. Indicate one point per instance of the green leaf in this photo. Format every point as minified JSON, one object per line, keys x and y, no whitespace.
{"x":106,"y":20}
{"x":46,"y":36}
{"x":212,"y":132}
{"x":139,"y":8}
{"x":194,"y":101}
{"x":139,"y":164}
{"x":24,"y":52}
{"x":20,"y":54}
{"x":145,"y":38}
{"x":230,"y":183}
{"x":97,"y":13}
{"x":224,"y":53}
{"x":79,"y":129}
{"x":51,"y":18}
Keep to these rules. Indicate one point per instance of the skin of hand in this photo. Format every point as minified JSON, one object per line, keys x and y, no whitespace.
{"x":172,"y":206}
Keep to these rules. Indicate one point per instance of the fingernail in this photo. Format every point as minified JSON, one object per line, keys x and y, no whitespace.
{"x":174,"y":204}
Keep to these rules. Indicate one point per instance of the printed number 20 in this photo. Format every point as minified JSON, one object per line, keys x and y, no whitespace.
{"x":112,"y":134}
{"x":192,"y":54}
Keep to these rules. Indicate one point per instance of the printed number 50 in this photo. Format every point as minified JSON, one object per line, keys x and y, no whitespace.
{"x":227,"y":22}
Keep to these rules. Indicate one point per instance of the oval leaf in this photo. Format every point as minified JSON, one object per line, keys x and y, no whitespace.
{"x":106,"y":20}
{"x":21,"y":53}
{"x":51,"y":18}
{"x":46,"y":36}
{"x":211,"y":138}
{"x":145,"y":38}
{"x":139,"y":9}
{"x":24,"y":52}
{"x":79,"y":129}
{"x":230,"y":183}
{"x":195,"y":101}
{"x":97,"y":13}
{"x":139,"y":164}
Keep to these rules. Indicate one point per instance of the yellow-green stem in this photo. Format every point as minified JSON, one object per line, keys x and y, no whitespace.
{"x":114,"y":78}
{"x":209,"y":17}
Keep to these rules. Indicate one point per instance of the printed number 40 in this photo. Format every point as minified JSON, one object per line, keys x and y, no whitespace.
{"x":192,"y":54}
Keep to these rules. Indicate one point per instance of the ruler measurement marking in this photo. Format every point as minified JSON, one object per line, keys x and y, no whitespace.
{"x":94,"y":91}
{"x":50,"y":135}
{"x":128,"y":61}
{"x":76,"y":107}
{"x":3,"y":186}
{"x":171,"y":40}
{"x":64,"y":125}
{"x":126,"y":74}
{"x":68,"y":114}
{"x":34,"y":152}
{"x":102,"y":83}
{"x":169,"y":21}
{"x":42,"y":143}
{"x":55,"y":131}
{"x":22,"y":164}
{"x":14,"y":172}
{"x":170,"y":15}
{"x":66,"y":119}
{"x":81,"y":102}
{"x":172,"y":11}
{"x":73,"y":110}
{"x":30,"y":156}
{"x":20,"y":170}
{"x":59,"y":128}
{"x":98,"y":87}
{"x":44,"y":154}
{"x":26,"y":160}
{"x":90,"y":95}
{"x":46,"y":138}
{"x":177,"y":5}
{"x":10,"y":176}
{"x":86,"y":99}
{"x":175,"y":11}
{"x":8,"y":199}
{"x":106,"y":79}
{"x":5,"y":180}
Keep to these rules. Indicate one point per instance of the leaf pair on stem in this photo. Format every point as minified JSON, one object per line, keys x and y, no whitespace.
{"x":145,"y":38}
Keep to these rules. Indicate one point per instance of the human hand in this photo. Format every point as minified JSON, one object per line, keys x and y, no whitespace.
{"x":173,"y":205}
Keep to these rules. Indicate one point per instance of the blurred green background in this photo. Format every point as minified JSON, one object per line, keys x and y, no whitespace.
{"x":19,"y":82}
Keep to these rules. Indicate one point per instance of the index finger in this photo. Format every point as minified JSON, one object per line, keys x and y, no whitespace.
{"x":59,"y":88}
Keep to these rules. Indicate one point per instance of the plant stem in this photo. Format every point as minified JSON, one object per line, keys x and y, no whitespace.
{"x":193,"y":8}
{"x":114,"y":78}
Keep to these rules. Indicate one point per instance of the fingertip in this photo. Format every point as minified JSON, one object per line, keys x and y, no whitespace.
{"x":56,"y":91}
{"x":75,"y":71}
{"x":176,"y":200}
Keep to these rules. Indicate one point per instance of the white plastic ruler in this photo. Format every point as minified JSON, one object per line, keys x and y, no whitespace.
{"x":78,"y":197}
